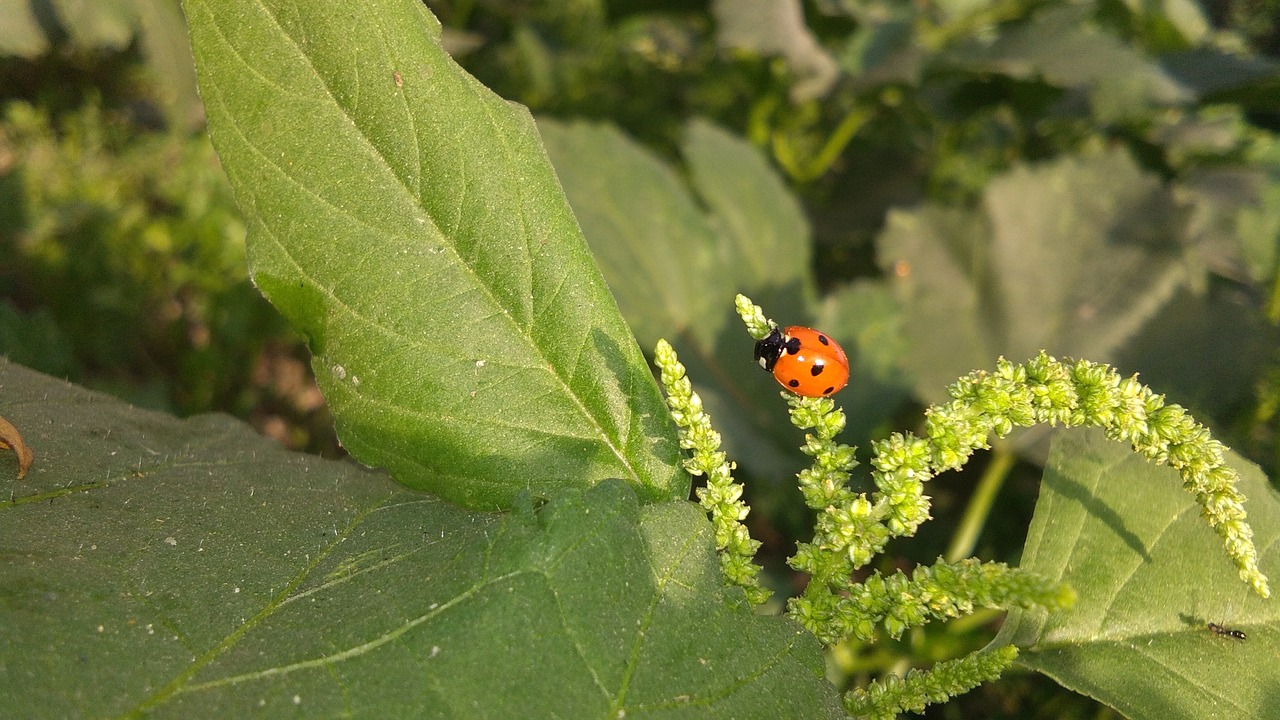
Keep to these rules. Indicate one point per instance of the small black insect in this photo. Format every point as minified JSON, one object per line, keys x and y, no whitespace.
{"x":1227,"y":632}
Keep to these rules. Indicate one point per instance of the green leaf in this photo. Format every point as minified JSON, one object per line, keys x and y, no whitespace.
{"x":164,"y":40}
{"x":1061,"y":45}
{"x":195,"y":569}
{"x":29,"y":26}
{"x":97,"y":23}
{"x":756,"y":214}
{"x":777,"y":28}
{"x":1072,"y":257}
{"x":1209,"y":71}
{"x":1208,"y":353}
{"x":20,"y":33}
{"x":660,"y":255}
{"x":407,"y":222}
{"x":676,"y":267}
{"x":884,"y":49}
{"x":1151,"y":576}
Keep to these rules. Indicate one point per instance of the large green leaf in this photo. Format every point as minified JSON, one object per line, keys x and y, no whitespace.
{"x":676,"y":266}
{"x":406,"y":220}
{"x":1209,"y":353}
{"x":195,"y":569}
{"x":1071,"y":257}
{"x":759,"y":219}
{"x":1151,"y":576}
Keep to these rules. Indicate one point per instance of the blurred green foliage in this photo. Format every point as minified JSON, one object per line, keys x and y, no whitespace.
{"x":127,"y":250}
{"x":123,"y":251}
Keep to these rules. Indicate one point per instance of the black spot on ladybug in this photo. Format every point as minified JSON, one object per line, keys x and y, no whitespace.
{"x":793,"y":383}
{"x":793,"y":346}
{"x":828,"y":391}
{"x":817,"y":369}
{"x":823,"y":339}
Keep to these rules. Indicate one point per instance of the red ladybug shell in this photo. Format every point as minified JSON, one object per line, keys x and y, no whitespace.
{"x":804,"y":361}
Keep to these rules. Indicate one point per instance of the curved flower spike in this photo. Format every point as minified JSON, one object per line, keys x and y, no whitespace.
{"x":722,"y":496}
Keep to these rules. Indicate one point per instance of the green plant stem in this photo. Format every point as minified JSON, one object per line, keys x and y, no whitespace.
{"x":822,"y":161}
{"x":984,"y":496}
{"x":970,"y":623}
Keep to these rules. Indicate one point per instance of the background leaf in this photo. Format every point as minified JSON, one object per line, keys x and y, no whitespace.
{"x":662,"y":258}
{"x":777,"y":27}
{"x":676,"y":252}
{"x":407,"y":222}
{"x":1061,"y":46}
{"x":20,"y":33}
{"x":1150,"y":576}
{"x":759,"y":219}
{"x":240,"y":579}
{"x":1071,"y":257}
{"x":30,"y":28}
{"x":107,"y":23}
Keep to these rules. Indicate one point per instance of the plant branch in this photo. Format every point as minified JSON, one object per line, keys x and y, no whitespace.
{"x":980,"y":504}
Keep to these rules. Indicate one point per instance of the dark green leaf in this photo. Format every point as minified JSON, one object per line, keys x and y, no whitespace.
{"x":930,"y":256}
{"x":755,"y":213}
{"x":1207,"y":352}
{"x":1208,"y":71}
{"x":1151,"y":576}
{"x":1236,"y":214}
{"x":195,"y":569}
{"x":676,"y":269}
{"x":407,"y":222}
{"x":164,"y":40}
{"x":883,"y":50}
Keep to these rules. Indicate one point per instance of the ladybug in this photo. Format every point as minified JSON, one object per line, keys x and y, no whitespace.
{"x":804,"y":361}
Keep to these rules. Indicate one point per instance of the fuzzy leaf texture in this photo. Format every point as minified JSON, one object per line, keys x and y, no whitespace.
{"x":1150,"y":576}
{"x":192,"y":568}
{"x":407,"y":222}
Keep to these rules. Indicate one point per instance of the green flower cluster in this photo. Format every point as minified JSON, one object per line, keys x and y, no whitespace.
{"x":722,"y":497}
{"x":1083,"y":393}
{"x":885,"y":699}
{"x":851,"y":528}
{"x":939,"y":591}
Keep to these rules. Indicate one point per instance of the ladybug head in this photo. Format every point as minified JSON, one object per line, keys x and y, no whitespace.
{"x":770,"y":348}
